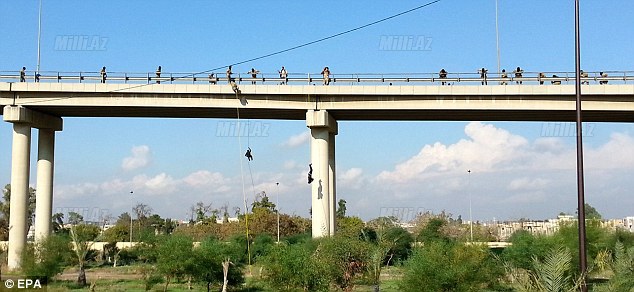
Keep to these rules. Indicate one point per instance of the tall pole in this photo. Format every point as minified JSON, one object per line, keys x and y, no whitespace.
{"x":470,"y":214}
{"x":580,"y":194}
{"x":278,"y":211}
{"x":497,"y":35}
{"x":131,"y":192}
{"x":39,"y":37}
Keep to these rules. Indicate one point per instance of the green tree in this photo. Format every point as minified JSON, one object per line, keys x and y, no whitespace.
{"x":5,"y":211}
{"x":622,"y":268}
{"x":262,"y":202}
{"x":591,"y":212}
{"x":116,"y":233}
{"x":82,"y":237}
{"x":209,"y":257}
{"x":47,"y":257}
{"x":173,"y":255}
{"x":441,"y":266}
{"x":550,"y":275}
{"x":432,"y":231}
{"x":296,"y":267}
{"x":262,"y":244}
{"x":400,"y":244}
{"x":57,"y":222}
{"x":341,"y":208}
{"x":75,"y":218}
{"x":350,"y":226}
{"x":526,"y":246}
{"x":346,"y":257}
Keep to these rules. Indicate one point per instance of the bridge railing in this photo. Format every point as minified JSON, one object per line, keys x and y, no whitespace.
{"x":552,"y":78}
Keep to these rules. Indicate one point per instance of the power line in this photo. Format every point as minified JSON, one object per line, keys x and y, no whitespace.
{"x":304,"y":44}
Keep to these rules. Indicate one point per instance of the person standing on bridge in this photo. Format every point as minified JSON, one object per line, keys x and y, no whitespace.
{"x":103,"y":74}
{"x":23,"y":74}
{"x":283,"y":76}
{"x":518,"y":74}
{"x":443,"y":75}
{"x":540,"y":76}
{"x":326,"y":74}
{"x":254,"y":74}
{"x":504,"y":76}
{"x":158,"y":75}
{"x":483,"y":75}
{"x":229,"y":74}
{"x":584,"y":75}
{"x":603,"y":75}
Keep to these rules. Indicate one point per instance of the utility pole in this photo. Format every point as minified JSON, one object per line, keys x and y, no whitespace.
{"x":470,"y":213}
{"x":39,"y":38}
{"x":277,"y":204}
{"x":497,"y":35}
{"x":583,"y":263}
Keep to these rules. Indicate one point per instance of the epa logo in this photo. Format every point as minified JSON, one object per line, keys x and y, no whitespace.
{"x":23,"y":284}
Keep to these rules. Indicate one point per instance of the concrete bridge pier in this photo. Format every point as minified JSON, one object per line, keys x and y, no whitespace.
{"x":23,"y":120}
{"x":323,"y":129}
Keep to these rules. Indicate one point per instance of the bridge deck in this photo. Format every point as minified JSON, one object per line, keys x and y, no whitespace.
{"x":609,"y":103}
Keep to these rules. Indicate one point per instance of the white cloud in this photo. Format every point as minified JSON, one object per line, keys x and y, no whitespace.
{"x":618,"y":152}
{"x":297,"y":140}
{"x":351,"y":178}
{"x":527,"y":183}
{"x":511,"y":177}
{"x":487,"y":148}
{"x":204,"y":178}
{"x":140,"y":158}
{"x":290,"y":164}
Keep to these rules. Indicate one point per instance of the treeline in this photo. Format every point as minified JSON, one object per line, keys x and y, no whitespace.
{"x":433,"y":258}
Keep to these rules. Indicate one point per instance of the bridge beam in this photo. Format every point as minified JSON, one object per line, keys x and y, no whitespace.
{"x":23,"y":120}
{"x":323,"y":129}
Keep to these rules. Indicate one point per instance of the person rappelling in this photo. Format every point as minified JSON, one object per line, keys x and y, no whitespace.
{"x":310,"y":173}
{"x":248,"y":154}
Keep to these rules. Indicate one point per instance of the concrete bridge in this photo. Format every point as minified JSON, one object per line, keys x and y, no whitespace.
{"x":44,"y":104}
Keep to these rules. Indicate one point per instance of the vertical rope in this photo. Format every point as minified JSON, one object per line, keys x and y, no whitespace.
{"x":244,"y":194}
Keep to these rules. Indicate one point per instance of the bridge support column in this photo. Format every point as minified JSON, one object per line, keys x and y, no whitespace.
{"x":44,"y":187}
{"x":323,"y":129}
{"x":20,"y":161}
{"x":23,"y":120}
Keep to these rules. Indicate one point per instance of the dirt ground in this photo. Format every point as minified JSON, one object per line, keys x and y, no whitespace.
{"x":120,"y":273}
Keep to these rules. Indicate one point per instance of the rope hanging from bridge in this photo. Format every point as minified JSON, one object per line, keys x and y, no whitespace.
{"x":244,"y":194}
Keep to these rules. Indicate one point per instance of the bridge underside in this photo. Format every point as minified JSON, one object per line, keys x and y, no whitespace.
{"x":339,"y":114}
{"x":614,"y":103}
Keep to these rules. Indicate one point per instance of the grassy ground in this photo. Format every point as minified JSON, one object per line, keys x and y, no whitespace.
{"x":128,"y":278}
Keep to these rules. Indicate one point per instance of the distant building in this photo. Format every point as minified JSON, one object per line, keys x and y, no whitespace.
{"x":628,"y":223}
{"x":230,"y":219}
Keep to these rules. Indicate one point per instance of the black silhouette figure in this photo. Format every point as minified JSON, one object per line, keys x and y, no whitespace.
{"x":248,"y":154}
{"x":310,"y":173}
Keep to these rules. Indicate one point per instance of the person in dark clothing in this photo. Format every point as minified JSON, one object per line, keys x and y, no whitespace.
{"x":310,"y":173}
{"x":541,"y":75}
{"x":248,"y":154}
{"x":518,"y":74}
{"x":442,"y":74}
{"x":103,"y":74}
{"x":229,"y":75}
{"x":158,"y":75}
{"x":23,"y":74}
{"x":254,"y":74}
{"x":483,"y":75}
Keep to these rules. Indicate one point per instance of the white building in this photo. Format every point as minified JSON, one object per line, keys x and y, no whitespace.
{"x":628,"y":223}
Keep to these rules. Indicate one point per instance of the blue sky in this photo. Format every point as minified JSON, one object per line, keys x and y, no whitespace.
{"x":170,"y":164}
